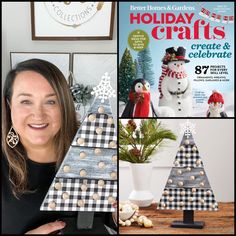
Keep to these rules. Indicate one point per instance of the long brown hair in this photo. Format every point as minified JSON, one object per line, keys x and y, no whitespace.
{"x":16,"y":156}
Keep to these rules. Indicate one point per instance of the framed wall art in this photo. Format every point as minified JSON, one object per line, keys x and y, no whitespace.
{"x":88,"y":68}
{"x":72,"y":20}
{"x":61,"y":60}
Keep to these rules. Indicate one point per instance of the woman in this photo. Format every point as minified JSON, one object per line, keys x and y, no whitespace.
{"x":39,"y":124}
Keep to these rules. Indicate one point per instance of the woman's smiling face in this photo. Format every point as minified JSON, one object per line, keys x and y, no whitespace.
{"x":35,"y":110}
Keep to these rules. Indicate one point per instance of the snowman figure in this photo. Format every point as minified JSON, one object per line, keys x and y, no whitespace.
{"x":216,"y":103}
{"x":174,"y":86}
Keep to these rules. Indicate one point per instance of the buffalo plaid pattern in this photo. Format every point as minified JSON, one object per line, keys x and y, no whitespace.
{"x":72,"y":188}
{"x":91,"y":138}
{"x":182,"y":160}
{"x":185,"y":199}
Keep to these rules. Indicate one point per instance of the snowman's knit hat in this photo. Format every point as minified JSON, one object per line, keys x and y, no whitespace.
{"x":216,"y":97}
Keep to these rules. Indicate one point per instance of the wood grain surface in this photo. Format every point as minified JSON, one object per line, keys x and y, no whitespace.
{"x":217,"y":222}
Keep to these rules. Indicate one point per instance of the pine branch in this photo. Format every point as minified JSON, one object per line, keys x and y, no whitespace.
{"x":125,"y":155}
{"x":148,"y":138}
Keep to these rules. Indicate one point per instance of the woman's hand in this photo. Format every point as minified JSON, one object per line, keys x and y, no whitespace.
{"x":48,"y":228}
{"x":114,"y":214}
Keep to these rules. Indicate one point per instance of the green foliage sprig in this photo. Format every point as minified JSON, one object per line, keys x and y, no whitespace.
{"x":137,"y":144}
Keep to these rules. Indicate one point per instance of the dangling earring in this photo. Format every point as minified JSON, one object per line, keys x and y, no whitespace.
{"x":12,"y":138}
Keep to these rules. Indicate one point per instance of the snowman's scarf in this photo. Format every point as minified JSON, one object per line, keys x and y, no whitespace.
{"x":176,"y":75}
{"x":171,"y":74}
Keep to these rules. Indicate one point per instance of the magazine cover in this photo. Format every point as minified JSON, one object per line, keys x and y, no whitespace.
{"x":176,"y":59}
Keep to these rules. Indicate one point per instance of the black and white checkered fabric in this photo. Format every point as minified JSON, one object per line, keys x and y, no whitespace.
{"x":72,"y":187}
{"x":91,"y":138}
{"x":183,"y":161}
{"x":176,"y":200}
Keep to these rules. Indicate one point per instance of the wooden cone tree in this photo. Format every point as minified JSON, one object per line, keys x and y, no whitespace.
{"x":87,"y":178}
{"x":187,"y":187}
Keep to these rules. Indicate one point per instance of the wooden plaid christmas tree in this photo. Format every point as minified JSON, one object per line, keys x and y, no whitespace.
{"x":187,"y":187}
{"x":87,"y":178}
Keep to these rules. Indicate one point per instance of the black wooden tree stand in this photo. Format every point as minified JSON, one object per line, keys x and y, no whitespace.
{"x":188,"y":221}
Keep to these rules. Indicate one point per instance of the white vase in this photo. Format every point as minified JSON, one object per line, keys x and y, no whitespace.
{"x":141,"y":173}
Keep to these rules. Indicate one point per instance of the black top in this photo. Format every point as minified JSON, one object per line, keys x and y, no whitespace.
{"x":22,"y":215}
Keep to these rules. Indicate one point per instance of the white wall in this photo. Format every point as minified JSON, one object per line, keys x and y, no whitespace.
{"x":215,"y":141}
{"x":16,"y":36}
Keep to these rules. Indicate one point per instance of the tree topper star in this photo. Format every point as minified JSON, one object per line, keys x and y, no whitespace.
{"x":104,"y":90}
{"x":187,"y":128}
